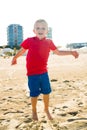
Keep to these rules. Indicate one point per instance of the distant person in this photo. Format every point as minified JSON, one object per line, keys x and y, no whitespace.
{"x":36,"y":63}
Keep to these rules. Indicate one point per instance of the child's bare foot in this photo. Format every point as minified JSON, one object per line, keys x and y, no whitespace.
{"x":49,"y":115}
{"x":34,"y":116}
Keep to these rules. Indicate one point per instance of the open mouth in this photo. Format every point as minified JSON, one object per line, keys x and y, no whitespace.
{"x":40,"y":33}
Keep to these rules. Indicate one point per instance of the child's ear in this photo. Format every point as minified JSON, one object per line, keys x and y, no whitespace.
{"x":33,"y":30}
{"x":47,"y":31}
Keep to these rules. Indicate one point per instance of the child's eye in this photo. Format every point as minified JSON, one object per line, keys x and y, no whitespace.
{"x":37,"y":28}
{"x":43,"y":28}
{"x":40,"y":28}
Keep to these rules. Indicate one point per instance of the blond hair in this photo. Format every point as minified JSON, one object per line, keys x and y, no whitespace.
{"x":41,"y":21}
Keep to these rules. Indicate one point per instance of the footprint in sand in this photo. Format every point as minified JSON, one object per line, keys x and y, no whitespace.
{"x":53,"y":80}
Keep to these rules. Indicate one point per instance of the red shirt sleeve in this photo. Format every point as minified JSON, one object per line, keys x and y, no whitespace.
{"x":52,"y":45}
{"x":25,"y":43}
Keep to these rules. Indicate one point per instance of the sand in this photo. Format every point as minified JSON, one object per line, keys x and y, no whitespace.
{"x":68,"y":100}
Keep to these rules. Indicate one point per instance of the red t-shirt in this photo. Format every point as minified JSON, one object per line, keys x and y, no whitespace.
{"x":38,"y":53}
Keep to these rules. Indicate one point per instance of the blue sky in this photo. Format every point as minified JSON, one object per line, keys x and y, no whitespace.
{"x":66,"y":17}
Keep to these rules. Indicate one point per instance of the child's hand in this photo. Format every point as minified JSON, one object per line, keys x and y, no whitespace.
{"x":14,"y":61}
{"x":75,"y":54}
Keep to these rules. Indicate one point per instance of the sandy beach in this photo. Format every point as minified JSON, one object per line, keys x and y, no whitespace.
{"x":68,"y":100}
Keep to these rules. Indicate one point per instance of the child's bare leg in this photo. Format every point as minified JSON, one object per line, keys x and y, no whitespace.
{"x":46,"y":106}
{"x":34,"y":110}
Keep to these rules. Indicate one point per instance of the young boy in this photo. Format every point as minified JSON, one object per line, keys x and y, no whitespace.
{"x":36,"y":63}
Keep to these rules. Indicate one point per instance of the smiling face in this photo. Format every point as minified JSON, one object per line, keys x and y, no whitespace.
{"x":40,"y":29}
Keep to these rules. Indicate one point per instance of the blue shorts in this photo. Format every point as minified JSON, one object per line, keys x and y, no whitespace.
{"x":39,"y":84}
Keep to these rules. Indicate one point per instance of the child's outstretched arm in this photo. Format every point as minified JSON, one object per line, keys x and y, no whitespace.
{"x":62,"y":53}
{"x":20,"y":53}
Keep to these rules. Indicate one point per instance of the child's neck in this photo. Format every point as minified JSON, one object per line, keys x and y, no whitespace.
{"x":41,"y":38}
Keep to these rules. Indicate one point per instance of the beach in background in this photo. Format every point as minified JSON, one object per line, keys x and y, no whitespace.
{"x":68,"y":100}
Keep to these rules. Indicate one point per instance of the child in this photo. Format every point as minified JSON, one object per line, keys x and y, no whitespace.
{"x":36,"y":63}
